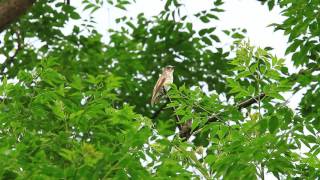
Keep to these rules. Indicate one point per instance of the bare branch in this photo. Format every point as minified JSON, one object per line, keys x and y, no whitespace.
{"x":250,"y":101}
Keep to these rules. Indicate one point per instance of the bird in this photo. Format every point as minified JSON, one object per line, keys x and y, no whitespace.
{"x":163,"y":84}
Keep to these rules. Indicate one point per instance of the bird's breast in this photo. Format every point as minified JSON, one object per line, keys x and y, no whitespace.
{"x":168,"y":81}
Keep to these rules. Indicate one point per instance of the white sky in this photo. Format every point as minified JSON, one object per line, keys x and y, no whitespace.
{"x":248,"y":14}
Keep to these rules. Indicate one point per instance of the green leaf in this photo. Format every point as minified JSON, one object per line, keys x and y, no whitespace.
{"x":74,"y":15}
{"x":243,"y":74}
{"x":212,"y":16}
{"x":204,"y":19}
{"x":263,"y":125}
{"x":77,"y":83}
{"x":58,"y":109}
{"x":189,"y":27}
{"x":276,"y":95}
{"x":293,"y":46}
{"x":273,"y":124}
{"x":227,"y":32}
{"x":168,"y":3}
{"x":195,"y":124}
{"x":206,"y":40}
{"x":237,"y":36}
{"x":68,"y":155}
{"x":214,"y":37}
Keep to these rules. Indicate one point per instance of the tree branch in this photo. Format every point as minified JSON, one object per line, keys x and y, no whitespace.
{"x":185,"y":129}
{"x":250,"y":101}
{"x":241,"y":105}
{"x":214,"y":118}
{"x":10,"y":10}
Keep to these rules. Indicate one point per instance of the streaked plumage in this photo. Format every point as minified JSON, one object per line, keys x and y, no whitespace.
{"x":162,"y":84}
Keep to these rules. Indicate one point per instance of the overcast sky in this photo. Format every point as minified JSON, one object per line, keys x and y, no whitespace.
{"x":248,"y":14}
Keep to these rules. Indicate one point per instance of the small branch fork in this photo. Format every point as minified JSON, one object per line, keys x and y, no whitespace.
{"x":185,"y":129}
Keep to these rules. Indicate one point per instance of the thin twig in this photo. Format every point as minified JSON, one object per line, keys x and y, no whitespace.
{"x":262,"y":171}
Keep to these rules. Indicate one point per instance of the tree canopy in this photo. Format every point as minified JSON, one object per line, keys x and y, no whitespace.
{"x":76,"y":107}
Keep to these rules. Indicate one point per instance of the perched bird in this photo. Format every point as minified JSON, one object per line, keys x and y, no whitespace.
{"x":163,"y":84}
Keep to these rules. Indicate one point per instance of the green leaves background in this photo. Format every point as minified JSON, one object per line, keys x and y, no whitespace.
{"x":80,"y":106}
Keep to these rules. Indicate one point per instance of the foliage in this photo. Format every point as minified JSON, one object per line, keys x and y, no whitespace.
{"x":79,"y":106}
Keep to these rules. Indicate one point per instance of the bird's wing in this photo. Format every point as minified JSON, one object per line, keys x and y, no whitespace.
{"x":157,"y":88}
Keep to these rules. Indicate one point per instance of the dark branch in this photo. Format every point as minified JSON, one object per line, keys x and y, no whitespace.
{"x":250,"y":101}
{"x":67,"y":2}
{"x":215,"y":118}
{"x":241,"y":105}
